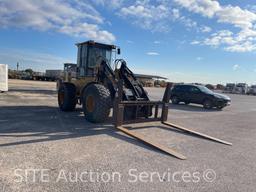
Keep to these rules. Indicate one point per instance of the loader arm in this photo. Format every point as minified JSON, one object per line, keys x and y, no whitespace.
{"x":110,"y":79}
{"x":133,"y":91}
{"x":131,"y":82}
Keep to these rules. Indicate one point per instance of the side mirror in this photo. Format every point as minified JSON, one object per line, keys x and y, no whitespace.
{"x":118,"y":51}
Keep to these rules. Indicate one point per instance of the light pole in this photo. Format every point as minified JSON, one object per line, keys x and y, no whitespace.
{"x":18,"y":66}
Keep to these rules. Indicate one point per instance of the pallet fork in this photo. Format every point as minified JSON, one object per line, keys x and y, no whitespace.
{"x":119,"y":121}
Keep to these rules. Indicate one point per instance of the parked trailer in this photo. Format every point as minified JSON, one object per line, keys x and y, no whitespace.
{"x":43,"y":78}
{"x":252,"y":90}
{"x":241,"y":88}
{"x":49,"y":75}
{"x":229,"y":88}
{"x":53,"y":74}
{"x":3,"y":77}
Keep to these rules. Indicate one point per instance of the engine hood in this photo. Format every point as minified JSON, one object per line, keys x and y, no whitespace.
{"x":221,"y":96}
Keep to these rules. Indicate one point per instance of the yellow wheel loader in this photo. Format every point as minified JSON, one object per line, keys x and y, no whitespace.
{"x":98,"y":84}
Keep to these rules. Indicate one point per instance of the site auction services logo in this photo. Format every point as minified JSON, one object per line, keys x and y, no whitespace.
{"x":132,"y":176}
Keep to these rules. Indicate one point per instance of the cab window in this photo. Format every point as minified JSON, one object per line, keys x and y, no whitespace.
{"x":194,"y":90}
{"x":96,"y":56}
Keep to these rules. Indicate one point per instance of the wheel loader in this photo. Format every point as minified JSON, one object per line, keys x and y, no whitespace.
{"x":96,"y":81}
{"x":98,"y":84}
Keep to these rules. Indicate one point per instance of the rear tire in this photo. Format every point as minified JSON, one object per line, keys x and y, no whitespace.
{"x":175,"y":100}
{"x":67,"y":96}
{"x":207,"y":104}
{"x":96,"y":103}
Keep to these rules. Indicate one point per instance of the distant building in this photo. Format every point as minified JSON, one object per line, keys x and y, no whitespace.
{"x":210,"y":86}
{"x":149,"y":80}
{"x":220,"y":87}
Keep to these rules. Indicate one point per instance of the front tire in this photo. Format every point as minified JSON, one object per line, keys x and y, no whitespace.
{"x":67,"y":96}
{"x":220,"y":107}
{"x":96,"y":103}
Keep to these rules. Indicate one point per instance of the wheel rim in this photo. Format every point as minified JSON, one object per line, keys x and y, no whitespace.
{"x":90,"y":103}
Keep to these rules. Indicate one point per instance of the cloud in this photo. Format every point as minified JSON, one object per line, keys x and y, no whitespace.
{"x":113,"y":4}
{"x":152,"y":53}
{"x":205,"y":29}
{"x":220,"y":37}
{"x":148,"y":16}
{"x":225,"y":14}
{"x":235,"y":67}
{"x":176,"y":13}
{"x":199,"y":58}
{"x":205,"y":7}
{"x":237,"y":16}
{"x":243,"y":19}
{"x":156,"y":42}
{"x":81,"y":19}
{"x":187,"y":22}
{"x":176,"y":16}
{"x":195,"y":42}
{"x":129,"y":41}
{"x":246,"y":46}
{"x":231,"y":42}
{"x":72,"y":18}
{"x":156,"y":16}
{"x":86,"y":30}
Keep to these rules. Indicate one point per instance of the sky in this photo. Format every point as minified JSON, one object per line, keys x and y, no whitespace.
{"x":206,"y":41}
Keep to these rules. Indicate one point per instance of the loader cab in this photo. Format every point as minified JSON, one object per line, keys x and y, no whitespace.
{"x":70,"y":70}
{"x":90,"y":55}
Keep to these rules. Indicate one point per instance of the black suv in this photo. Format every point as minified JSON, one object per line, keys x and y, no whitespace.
{"x":200,"y":95}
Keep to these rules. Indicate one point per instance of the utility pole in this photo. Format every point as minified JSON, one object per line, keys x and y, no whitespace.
{"x":18,"y":66}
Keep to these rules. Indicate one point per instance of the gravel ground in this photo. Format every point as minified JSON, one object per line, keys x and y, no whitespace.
{"x":43,"y":149}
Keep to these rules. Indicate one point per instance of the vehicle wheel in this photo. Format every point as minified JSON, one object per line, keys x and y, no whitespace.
{"x":96,"y":103}
{"x":175,"y":100}
{"x":220,"y":107}
{"x":207,"y":104}
{"x":67,"y":97}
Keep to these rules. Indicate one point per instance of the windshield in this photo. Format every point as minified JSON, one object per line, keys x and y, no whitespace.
{"x":97,"y":55}
{"x":205,"y":89}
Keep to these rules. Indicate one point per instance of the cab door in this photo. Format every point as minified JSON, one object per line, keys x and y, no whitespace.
{"x":88,"y":57}
{"x":196,"y":95}
{"x":82,"y":60}
{"x":182,"y":92}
